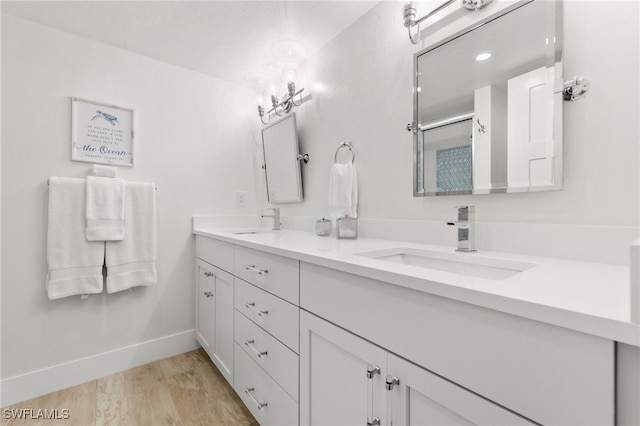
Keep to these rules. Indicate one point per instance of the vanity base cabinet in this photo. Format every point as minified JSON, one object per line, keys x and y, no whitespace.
{"x":346,"y":380}
{"x":544,"y":373}
{"x":267,"y":401}
{"x":214,"y":316}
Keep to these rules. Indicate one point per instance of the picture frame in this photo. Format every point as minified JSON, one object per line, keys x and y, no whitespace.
{"x":101,"y":133}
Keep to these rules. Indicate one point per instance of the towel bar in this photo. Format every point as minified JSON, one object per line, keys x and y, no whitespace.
{"x":346,"y":145}
{"x":156,"y":186}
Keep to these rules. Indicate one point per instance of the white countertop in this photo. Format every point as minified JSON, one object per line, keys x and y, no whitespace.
{"x":584,"y":296}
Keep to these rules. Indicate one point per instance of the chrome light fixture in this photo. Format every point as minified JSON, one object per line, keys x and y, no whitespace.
{"x":280,"y":108}
{"x":409,"y":14}
{"x":475,"y":4}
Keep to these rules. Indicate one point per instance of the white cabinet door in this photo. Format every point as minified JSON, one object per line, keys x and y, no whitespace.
{"x":422,"y":398}
{"x":204,"y":305}
{"x":214,"y":316}
{"x":334,"y":385}
{"x":223,"y":324}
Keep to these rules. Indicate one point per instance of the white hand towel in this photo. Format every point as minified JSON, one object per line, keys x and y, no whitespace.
{"x":105,"y":209}
{"x":105,"y":171}
{"x":132,"y":261}
{"x":343,"y":190}
{"x":74,"y":264}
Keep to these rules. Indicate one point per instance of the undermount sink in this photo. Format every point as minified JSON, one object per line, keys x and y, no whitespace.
{"x":470,"y":264}
{"x":250,"y":231}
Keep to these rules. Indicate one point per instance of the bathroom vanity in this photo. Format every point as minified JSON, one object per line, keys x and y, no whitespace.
{"x":313,"y":330}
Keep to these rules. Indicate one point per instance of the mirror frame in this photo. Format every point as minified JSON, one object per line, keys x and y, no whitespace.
{"x":297,"y":172}
{"x":557,"y":114}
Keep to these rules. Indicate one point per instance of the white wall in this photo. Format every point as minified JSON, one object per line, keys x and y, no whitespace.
{"x":192,"y":134}
{"x":361,"y":84}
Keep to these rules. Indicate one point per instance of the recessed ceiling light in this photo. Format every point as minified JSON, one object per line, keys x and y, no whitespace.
{"x":483,"y":56}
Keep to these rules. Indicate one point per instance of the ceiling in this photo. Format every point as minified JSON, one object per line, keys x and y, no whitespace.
{"x":246,"y":42}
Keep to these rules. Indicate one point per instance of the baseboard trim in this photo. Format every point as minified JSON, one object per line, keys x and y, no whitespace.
{"x":41,"y":382}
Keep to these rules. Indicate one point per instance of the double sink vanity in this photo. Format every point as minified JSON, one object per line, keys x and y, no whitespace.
{"x":318,"y":330}
{"x":315,"y":330}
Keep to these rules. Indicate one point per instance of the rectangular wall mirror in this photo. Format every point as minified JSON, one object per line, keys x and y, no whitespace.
{"x":281,"y":164}
{"x":488,"y":106}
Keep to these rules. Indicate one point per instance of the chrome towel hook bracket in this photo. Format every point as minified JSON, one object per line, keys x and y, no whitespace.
{"x":575,"y":88}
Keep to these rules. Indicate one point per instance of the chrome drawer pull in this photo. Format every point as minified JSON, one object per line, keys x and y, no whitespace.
{"x":250,"y":343}
{"x":254,"y":269}
{"x":260,"y":405}
{"x":208,"y":274}
{"x":252,"y":306}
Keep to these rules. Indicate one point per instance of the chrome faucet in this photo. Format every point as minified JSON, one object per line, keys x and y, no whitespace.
{"x":466,"y":229}
{"x":276,"y":218}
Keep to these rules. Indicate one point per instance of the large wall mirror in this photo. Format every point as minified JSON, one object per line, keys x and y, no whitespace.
{"x":281,"y":164}
{"x":488,"y":106}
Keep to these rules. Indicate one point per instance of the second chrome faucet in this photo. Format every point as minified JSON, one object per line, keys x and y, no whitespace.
{"x":276,"y":218}
{"x":466,"y":229}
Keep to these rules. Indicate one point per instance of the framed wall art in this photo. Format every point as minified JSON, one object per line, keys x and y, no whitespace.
{"x":101,"y":133}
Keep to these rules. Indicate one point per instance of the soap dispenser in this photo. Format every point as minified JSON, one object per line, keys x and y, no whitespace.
{"x":323,"y":227}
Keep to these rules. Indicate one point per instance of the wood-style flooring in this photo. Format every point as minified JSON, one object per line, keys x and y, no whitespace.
{"x":182,"y":390}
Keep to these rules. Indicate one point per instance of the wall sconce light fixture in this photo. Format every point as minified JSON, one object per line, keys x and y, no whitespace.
{"x":280,"y":108}
{"x":409,"y":14}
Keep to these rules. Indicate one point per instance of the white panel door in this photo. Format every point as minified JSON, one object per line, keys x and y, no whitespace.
{"x":531,"y":144}
{"x":423,"y":398}
{"x":334,"y":385}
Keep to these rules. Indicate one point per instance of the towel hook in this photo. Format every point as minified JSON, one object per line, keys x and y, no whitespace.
{"x":345,"y":145}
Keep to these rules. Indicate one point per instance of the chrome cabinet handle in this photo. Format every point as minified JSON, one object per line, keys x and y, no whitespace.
{"x":260,"y":405}
{"x":257,"y":270}
{"x":252,"y":306}
{"x":208,"y":274}
{"x":371,"y":372}
{"x":208,"y":294}
{"x":250,"y":344}
{"x":390,"y":383}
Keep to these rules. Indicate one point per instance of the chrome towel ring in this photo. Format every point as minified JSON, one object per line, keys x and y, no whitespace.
{"x":345,"y":145}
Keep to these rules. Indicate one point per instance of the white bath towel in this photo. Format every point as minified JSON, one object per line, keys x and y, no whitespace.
{"x":105,"y":171}
{"x":343,"y":190}
{"x":105,"y":209}
{"x":74,"y":264}
{"x":132,"y":261}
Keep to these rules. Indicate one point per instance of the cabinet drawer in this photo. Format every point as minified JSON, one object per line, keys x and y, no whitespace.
{"x":276,"y":359}
{"x":215,"y":252}
{"x":548,"y":374}
{"x":266,"y":400}
{"x":276,"y":316}
{"x":275,"y":274}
